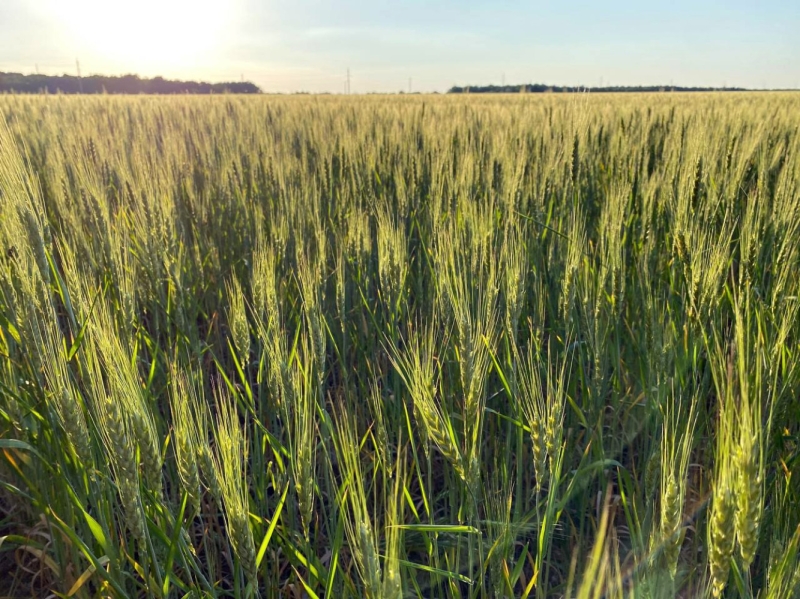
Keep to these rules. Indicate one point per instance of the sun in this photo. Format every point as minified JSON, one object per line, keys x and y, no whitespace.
{"x":145,"y":35}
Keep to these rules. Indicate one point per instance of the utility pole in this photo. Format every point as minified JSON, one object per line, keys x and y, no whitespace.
{"x":80,"y":81}
{"x":37,"y":68}
{"x":503,"y":79}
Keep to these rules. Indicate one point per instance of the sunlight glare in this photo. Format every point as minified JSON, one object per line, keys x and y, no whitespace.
{"x":146,"y":35}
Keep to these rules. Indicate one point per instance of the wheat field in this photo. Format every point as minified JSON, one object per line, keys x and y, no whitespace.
{"x":422,"y":346}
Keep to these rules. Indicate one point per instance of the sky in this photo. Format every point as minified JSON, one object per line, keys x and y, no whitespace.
{"x":427,"y":45}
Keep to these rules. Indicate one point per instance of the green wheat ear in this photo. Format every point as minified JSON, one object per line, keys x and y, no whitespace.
{"x":65,"y":397}
{"x":124,"y":385}
{"x":721,"y":525}
{"x":358,"y":525}
{"x":542,"y":403}
{"x":184,"y":407}
{"x":749,"y":455}
{"x":677,"y":442}
{"x":229,"y":466}
{"x":301,"y":415}
{"x":514,"y":257}
{"x":237,"y":320}
{"x":415,"y":365}
{"x":721,"y":539}
{"x":392,"y":258}
{"x":115,"y":431}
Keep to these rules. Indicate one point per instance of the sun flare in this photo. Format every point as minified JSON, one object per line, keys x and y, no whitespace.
{"x":146,"y":35}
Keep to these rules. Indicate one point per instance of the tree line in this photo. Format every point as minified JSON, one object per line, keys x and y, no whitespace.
{"x":125,"y":84}
{"x":539,"y":88}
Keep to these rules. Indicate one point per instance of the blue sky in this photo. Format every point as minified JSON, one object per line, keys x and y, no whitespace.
{"x":293,"y":45}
